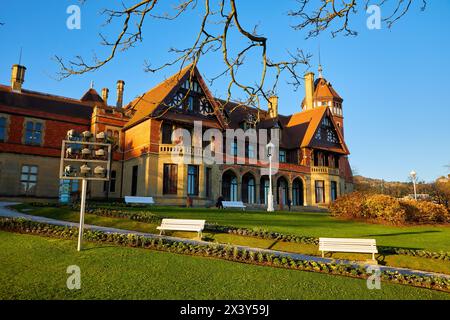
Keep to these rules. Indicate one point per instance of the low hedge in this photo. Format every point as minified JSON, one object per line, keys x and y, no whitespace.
{"x":46,"y":204}
{"x":389,"y":210}
{"x":219,"y":251}
{"x":141,"y":216}
{"x":92,"y":205}
{"x":415,"y":253}
{"x":262,"y":234}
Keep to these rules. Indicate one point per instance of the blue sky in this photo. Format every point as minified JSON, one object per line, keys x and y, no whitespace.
{"x":394,"y":82}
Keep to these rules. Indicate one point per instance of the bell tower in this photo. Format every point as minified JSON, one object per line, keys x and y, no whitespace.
{"x":320,"y":93}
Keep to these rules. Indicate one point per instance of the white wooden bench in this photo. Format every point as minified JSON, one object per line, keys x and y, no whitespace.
{"x":233,"y":204}
{"x":182,"y":225}
{"x":348,"y":245}
{"x":139,"y":200}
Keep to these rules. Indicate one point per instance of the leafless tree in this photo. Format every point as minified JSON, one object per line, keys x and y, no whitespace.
{"x":220,"y":21}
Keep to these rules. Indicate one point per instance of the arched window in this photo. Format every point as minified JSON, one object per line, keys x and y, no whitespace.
{"x":251,"y":190}
{"x":282,"y":191}
{"x":248,"y":189}
{"x":229,"y":186}
{"x":264,"y":189}
{"x":297,"y":192}
{"x":233,"y":189}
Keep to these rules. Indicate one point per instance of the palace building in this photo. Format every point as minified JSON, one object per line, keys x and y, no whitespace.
{"x":313,"y":166}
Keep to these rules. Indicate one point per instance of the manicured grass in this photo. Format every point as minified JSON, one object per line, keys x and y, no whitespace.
{"x":33,"y":267}
{"x":390,"y":260}
{"x":73,"y":216}
{"x":315,"y":224}
{"x":432,"y":238}
{"x":416,"y":263}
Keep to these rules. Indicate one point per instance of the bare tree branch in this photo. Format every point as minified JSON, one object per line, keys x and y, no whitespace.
{"x":220,"y":20}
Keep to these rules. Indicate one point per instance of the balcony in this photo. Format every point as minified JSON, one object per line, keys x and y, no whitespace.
{"x":325,"y":170}
{"x":174,"y":149}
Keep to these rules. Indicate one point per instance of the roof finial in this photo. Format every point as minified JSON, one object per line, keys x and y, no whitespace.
{"x":320,"y":66}
{"x":92,"y":84}
{"x":20,"y":56}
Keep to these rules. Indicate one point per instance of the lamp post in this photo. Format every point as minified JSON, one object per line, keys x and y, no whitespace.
{"x":413,"y":176}
{"x":270,"y":146}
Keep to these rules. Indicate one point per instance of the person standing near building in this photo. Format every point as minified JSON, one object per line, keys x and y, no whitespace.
{"x":219,"y":203}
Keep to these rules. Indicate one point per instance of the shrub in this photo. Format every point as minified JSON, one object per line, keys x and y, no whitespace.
{"x":426,"y":212}
{"x":351,"y":205}
{"x":387,"y":209}
{"x":384,"y":208}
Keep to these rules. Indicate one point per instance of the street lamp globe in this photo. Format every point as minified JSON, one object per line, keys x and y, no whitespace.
{"x":413,"y":174}
{"x":269,"y":148}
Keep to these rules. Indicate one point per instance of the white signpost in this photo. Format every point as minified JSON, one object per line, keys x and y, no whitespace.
{"x":87,"y":158}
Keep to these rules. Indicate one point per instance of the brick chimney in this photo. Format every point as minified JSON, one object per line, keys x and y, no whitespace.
{"x":120,"y":88}
{"x":105,"y":94}
{"x":309,"y":91}
{"x":273,"y":106}
{"x":17,"y":77}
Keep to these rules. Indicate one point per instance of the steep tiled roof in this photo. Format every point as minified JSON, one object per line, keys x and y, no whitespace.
{"x":303,"y":126}
{"x":324,"y":89}
{"x":298,"y":129}
{"x":237,"y":112}
{"x":51,"y":104}
{"x":309,"y":121}
{"x":153,"y":102}
{"x":144,"y":105}
{"x":92,"y":96}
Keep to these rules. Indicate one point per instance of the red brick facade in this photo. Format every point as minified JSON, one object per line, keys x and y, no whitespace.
{"x":137,"y":132}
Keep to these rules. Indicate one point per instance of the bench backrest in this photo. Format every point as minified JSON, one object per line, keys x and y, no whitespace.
{"x":183,"y":223}
{"x":147,"y":200}
{"x":239,"y":204}
{"x":348,"y":245}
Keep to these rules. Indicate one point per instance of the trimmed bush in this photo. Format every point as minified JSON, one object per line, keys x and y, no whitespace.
{"x":141,"y":216}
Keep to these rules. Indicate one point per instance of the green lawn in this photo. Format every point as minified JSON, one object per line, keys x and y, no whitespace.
{"x":432,"y":238}
{"x":275,"y":222}
{"x":33,"y":267}
{"x":73,"y":216}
